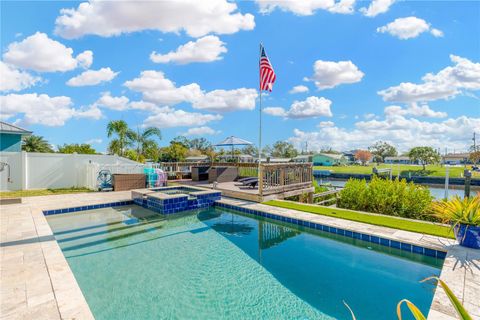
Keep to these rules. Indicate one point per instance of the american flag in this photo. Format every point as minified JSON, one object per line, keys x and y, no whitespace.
{"x":267,"y":75}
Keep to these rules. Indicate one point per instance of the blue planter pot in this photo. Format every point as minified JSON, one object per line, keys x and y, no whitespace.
{"x":468,"y":236}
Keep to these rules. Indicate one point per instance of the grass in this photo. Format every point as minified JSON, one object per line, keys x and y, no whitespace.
{"x":41,"y":192}
{"x":430,"y":170}
{"x":375,"y":219}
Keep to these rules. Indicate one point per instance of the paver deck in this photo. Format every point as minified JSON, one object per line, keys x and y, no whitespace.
{"x":37,"y":283}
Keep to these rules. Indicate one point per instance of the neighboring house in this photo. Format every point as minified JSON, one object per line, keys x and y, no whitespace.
{"x":457,"y":158}
{"x":350,"y":156}
{"x":302,"y":159}
{"x":11,"y":137}
{"x":329,"y":159}
{"x":399,"y":160}
{"x":197,"y":159}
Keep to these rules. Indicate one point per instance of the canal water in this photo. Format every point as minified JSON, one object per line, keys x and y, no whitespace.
{"x":437,"y":191}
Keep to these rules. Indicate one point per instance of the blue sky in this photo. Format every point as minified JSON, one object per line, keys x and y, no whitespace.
{"x":407,"y":72}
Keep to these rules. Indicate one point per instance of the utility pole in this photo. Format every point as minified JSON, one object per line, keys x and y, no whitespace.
{"x":474,"y":142}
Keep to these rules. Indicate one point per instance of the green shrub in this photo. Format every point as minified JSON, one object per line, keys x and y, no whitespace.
{"x":390,"y":197}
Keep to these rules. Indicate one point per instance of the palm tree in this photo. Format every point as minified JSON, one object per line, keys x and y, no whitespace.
{"x":144,"y":141}
{"x":124,"y":134}
{"x":36,"y":144}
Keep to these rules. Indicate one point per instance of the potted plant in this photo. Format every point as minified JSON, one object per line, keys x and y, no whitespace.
{"x":464,"y":215}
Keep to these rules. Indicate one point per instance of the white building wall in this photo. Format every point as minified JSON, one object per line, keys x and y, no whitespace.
{"x":31,"y":170}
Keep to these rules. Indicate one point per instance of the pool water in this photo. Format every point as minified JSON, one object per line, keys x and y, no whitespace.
{"x":132,"y":263}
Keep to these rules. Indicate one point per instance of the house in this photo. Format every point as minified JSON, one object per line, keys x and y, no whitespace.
{"x":329,"y":159}
{"x":349,"y":156}
{"x":11,"y":137}
{"x":197,"y":159}
{"x":302,"y":159}
{"x":456,"y":158}
{"x":399,"y":160}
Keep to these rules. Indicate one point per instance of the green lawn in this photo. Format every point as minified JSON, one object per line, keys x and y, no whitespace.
{"x":42,"y":192}
{"x":378,"y":220}
{"x":430,"y":171}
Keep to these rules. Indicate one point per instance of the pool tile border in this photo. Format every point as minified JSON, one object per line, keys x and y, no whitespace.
{"x":404,"y":246}
{"x":88,"y":207}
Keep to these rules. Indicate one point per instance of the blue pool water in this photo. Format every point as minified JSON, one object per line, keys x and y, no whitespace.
{"x":132,"y":263}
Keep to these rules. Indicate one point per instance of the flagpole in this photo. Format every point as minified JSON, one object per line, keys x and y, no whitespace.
{"x":260,"y":120}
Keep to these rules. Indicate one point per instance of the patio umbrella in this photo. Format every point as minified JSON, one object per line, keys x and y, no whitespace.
{"x":233,"y":141}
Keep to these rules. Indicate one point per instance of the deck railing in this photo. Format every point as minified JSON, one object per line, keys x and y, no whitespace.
{"x":284,"y":177}
{"x":275,"y":177}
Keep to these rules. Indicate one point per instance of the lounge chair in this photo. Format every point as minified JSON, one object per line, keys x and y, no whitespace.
{"x":251,"y":183}
{"x":245,"y":179}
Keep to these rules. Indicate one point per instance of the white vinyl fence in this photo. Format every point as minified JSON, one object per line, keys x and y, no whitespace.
{"x":30,"y":170}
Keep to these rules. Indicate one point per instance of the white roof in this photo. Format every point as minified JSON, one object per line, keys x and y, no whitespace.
{"x":331,"y":155}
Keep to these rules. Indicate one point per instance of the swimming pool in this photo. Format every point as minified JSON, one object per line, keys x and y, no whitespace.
{"x":132,"y":263}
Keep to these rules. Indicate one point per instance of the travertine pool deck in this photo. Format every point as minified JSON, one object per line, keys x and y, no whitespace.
{"x":37,"y":283}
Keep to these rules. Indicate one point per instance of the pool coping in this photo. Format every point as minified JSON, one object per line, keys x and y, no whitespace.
{"x":63,"y":298}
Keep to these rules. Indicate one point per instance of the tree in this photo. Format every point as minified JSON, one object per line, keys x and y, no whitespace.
{"x":124,"y":136}
{"x":283,"y":149}
{"x":425,"y":155}
{"x":363,"y":156}
{"x":83,"y":148}
{"x":181,"y":140}
{"x":201,"y":144}
{"x":475,"y":157}
{"x":174,"y":152}
{"x":144,"y":142}
{"x":250,"y":150}
{"x":382,"y":149}
{"x":36,"y":144}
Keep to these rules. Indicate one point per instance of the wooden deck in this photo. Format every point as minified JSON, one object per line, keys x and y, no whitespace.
{"x":236,"y":190}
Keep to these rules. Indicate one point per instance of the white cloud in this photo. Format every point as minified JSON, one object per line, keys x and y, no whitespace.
{"x":311,"y":107}
{"x":92,"y":77}
{"x":170,"y":118}
{"x":206,"y":49}
{"x":306,"y":7}
{"x":377,"y":7}
{"x":92,"y":112}
{"x":40,"y":53}
{"x":143,"y":105}
{"x":112,"y":18}
{"x":402,"y":132}
{"x":85,"y":59}
{"x":275,"y":111}
{"x":447,"y":83}
{"x":326,"y":124}
{"x":329,"y":74}
{"x":409,"y":27}
{"x":369,"y":116}
{"x":200,"y":131}
{"x":298,"y":89}
{"x":415,"y":110}
{"x":227,"y":100}
{"x":436,"y":33}
{"x":94,"y":141}
{"x":114,"y":103}
{"x":13,"y":79}
{"x":157,"y":89}
{"x":41,"y":109}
